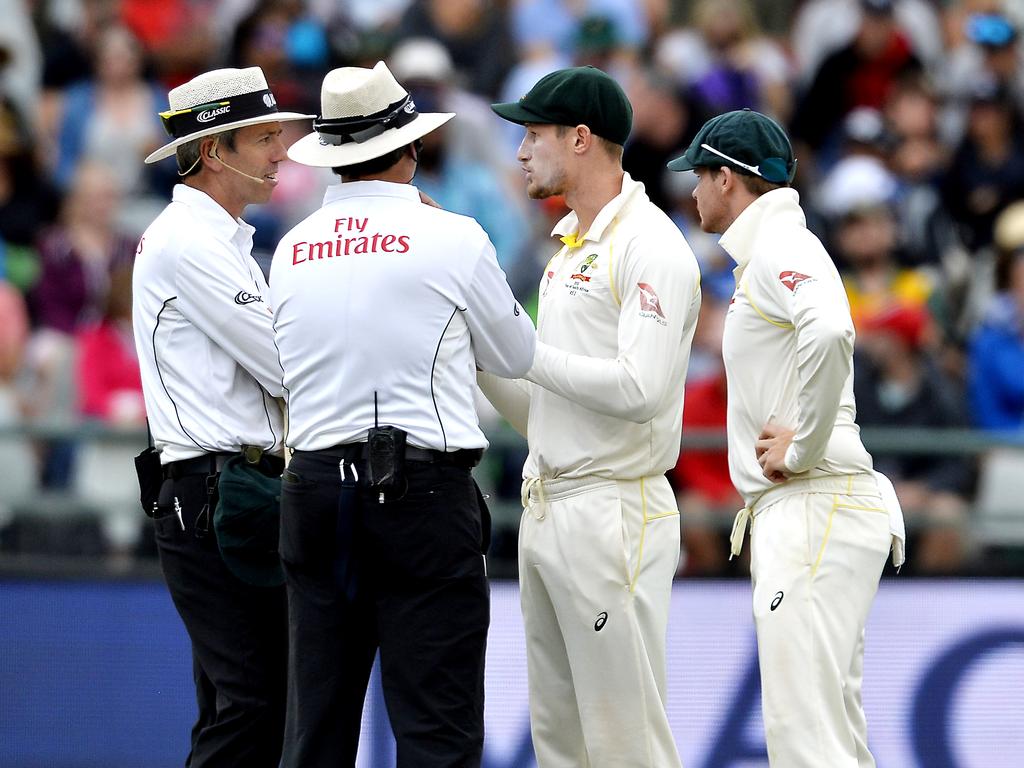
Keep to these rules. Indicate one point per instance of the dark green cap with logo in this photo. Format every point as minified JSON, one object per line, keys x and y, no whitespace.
{"x":745,"y":141}
{"x":247,"y":521}
{"x":576,"y":96}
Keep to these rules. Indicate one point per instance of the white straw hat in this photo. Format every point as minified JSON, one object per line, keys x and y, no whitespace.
{"x":218,"y":101}
{"x":365,"y":114}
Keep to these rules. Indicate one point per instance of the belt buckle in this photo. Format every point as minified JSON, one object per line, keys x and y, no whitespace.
{"x":252,"y":454}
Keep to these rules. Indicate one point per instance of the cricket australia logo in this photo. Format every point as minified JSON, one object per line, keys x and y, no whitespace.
{"x":579,"y":274}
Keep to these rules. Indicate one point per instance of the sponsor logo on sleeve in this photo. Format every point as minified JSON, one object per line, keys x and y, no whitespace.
{"x":650,"y":304}
{"x":794,"y":280}
{"x":243,"y":297}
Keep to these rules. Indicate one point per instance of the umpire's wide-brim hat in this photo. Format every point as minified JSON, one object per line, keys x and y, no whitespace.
{"x":365,"y":113}
{"x":218,"y":101}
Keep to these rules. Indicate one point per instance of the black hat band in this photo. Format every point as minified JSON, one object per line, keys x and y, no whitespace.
{"x":184,"y":122}
{"x":348,"y":130}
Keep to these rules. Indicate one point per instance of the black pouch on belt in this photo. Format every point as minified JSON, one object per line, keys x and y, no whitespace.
{"x":385,"y":461}
{"x":151,"y":477}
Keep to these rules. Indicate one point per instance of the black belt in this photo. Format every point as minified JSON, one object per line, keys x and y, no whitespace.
{"x":212,"y":463}
{"x":465,"y":457}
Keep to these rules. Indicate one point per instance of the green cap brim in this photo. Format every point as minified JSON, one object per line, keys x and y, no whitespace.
{"x":515,"y":112}
{"x":681,"y":163}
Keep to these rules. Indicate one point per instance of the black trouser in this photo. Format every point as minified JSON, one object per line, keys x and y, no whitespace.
{"x":239,"y":635}
{"x":416,"y":589}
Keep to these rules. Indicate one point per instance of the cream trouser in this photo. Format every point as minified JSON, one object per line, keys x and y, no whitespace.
{"x":817,"y":551}
{"x":596,"y":561}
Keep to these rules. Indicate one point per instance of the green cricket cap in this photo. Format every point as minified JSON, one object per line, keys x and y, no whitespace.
{"x":575,"y":96}
{"x":246,"y":522}
{"x":744,"y":140}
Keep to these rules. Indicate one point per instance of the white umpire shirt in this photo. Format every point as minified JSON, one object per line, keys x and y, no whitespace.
{"x":377,"y":293}
{"x":203,"y":333}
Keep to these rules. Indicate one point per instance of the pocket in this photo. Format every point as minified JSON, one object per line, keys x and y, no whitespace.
{"x":309,"y":512}
{"x":485,"y":520}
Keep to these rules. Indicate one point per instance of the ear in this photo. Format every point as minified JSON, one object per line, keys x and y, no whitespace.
{"x":727,"y":178}
{"x":582,"y":139}
{"x":208,"y":152}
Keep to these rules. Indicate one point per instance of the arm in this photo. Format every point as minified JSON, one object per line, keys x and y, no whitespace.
{"x":820,"y":315}
{"x":632,"y":385}
{"x":510,"y":397}
{"x":503,"y":334}
{"x":208,"y":283}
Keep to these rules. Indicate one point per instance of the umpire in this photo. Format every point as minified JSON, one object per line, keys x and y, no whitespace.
{"x":383,"y":309}
{"x":209,"y":374}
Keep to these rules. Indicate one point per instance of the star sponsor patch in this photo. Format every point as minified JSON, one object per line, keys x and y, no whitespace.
{"x":649,"y":301}
{"x":793,"y":280}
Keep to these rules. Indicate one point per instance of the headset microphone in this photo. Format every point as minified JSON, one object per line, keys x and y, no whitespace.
{"x":214,"y":154}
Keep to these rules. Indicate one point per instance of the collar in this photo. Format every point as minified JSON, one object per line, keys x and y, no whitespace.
{"x":349,"y":189}
{"x":739,"y":239}
{"x":212,"y":214}
{"x":567,"y":230}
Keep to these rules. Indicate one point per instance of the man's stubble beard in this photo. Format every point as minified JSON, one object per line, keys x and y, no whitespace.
{"x":556,"y":186}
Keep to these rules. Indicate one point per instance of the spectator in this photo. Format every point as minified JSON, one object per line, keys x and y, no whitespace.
{"x":111,"y":121}
{"x":475,"y":32}
{"x":897,"y":385}
{"x":705,"y":493}
{"x":462,"y":185}
{"x":860,"y":74}
{"x":79,"y":254}
{"x":725,"y":62}
{"x":987,"y":170}
{"x":996,"y":352}
{"x":27,"y":202}
{"x":662,"y":127}
{"x":918,"y":160}
{"x":985,"y":45}
{"x":110,"y":393}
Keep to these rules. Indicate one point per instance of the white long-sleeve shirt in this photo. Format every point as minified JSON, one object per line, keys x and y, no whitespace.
{"x":788,"y":347}
{"x":618,"y":308}
{"x":203,"y":333}
{"x":378,"y":293}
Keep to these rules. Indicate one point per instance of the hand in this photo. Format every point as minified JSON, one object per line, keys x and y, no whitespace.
{"x":770,"y":449}
{"x":428,"y":200}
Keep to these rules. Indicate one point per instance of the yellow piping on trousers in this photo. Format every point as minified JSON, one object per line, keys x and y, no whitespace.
{"x":828,"y":530}
{"x":643,"y":533}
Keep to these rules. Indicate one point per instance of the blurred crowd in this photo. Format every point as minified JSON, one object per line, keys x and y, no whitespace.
{"x":907,"y":117}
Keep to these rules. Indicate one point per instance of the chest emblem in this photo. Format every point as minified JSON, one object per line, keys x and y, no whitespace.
{"x":586,"y":264}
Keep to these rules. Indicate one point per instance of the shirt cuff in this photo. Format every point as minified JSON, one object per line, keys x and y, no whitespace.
{"x":791,"y":460}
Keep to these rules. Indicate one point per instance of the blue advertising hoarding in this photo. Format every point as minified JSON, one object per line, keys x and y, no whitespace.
{"x":100,"y":675}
